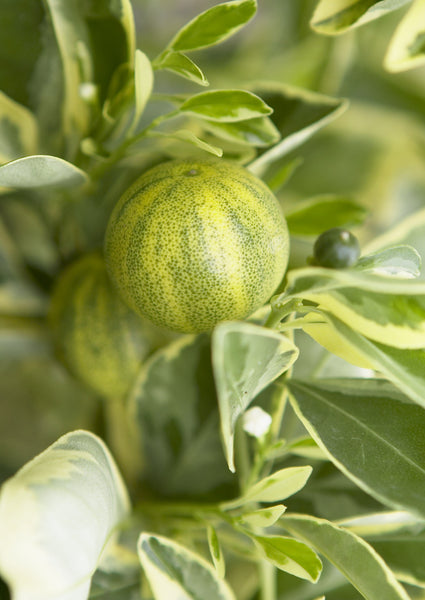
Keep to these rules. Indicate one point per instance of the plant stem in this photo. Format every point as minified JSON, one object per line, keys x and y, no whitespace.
{"x":119,"y":153}
{"x":268,"y":589}
{"x":122,"y":439}
{"x":242,"y":457}
{"x":279,"y":311}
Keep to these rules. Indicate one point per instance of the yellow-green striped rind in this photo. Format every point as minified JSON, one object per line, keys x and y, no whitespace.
{"x":96,"y":335}
{"x":193,"y":243}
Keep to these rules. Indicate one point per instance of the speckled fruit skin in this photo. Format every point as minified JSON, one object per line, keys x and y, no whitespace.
{"x":94,"y":332}
{"x":195,"y":242}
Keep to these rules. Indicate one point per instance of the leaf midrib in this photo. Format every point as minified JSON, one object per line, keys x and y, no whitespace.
{"x":363,"y":425}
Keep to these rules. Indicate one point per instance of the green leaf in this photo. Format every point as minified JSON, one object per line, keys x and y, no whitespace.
{"x":403,"y":554}
{"x":263,"y":517}
{"x":143,"y":84}
{"x":381,"y":524}
{"x":32,"y":384}
{"x":226,"y":106}
{"x":356,"y":560}
{"x":175,"y":572}
{"x":46,"y":91}
{"x":280,"y":172}
{"x":305,"y":447}
{"x":31,"y":233}
{"x":297,"y":114}
{"x":254,"y":132}
{"x":321,"y":280}
{"x":406,"y":370}
{"x":216,"y":552}
{"x":113,"y":586}
{"x":399,"y":538}
{"x":120,"y":95}
{"x":290,"y":555}
{"x":57,"y":515}
{"x":74,"y":47}
{"x":368,"y":436}
{"x":175,"y":412}
{"x":123,"y":11}
{"x":389,"y":319}
{"x":278,"y":486}
{"x":182,"y":65}
{"x":409,"y":230}
{"x":246,"y":359}
{"x":389,"y":310}
{"x":38,"y":171}
{"x":406,"y":49}
{"x":398,"y":261}
{"x":314,"y":216}
{"x":214,"y":25}
{"x":112,"y":38}
{"x":18,"y":130}
{"x":336,"y":16}
{"x":21,"y":46}
{"x":184,"y":135}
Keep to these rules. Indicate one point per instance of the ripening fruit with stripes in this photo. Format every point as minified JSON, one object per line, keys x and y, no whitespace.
{"x":195,"y":242}
{"x":95,"y":334}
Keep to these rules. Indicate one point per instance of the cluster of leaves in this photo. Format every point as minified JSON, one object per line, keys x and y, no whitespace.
{"x":405,"y":50}
{"x":217,"y":430}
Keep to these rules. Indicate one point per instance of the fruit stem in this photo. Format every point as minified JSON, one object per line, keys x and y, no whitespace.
{"x":281,"y":310}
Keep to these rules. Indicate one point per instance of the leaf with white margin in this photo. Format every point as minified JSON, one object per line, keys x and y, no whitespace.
{"x":143,"y":84}
{"x":402,"y":261}
{"x":389,"y":310}
{"x":406,"y":370}
{"x":214,"y":25}
{"x":40,"y":170}
{"x":356,"y":559}
{"x":246,"y":359}
{"x":188,"y":137}
{"x":175,"y":572}
{"x":375,"y":439}
{"x":226,"y":106}
{"x":182,"y":65}
{"x":18,"y":129}
{"x":279,"y":485}
{"x":216,"y":551}
{"x":274,"y":488}
{"x":406,"y":49}
{"x":73,"y":40}
{"x":263,"y":517}
{"x":336,"y":16}
{"x":297,"y":114}
{"x":290,"y":555}
{"x":57,"y":515}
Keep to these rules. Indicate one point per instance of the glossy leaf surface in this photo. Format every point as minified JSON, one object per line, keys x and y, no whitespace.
{"x":58,"y":513}
{"x":350,"y":554}
{"x":246,"y":359}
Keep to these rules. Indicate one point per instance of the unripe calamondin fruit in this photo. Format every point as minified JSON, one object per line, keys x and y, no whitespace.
{"x":336,"y":248}
{"x":95,"y":334}
{"x":196,"y":242}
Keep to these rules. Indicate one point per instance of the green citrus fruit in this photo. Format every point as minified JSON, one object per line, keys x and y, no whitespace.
{"x":193,"y":243}
{"x":336,"y":248}
{"x":96,"y":335}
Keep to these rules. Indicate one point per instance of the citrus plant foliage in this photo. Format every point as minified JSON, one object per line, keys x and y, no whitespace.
{"x":212,"y":311}
{"x":405,"y":49}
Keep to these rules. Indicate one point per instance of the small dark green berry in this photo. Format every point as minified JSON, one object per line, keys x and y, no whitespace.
{"x":336,"y":248}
